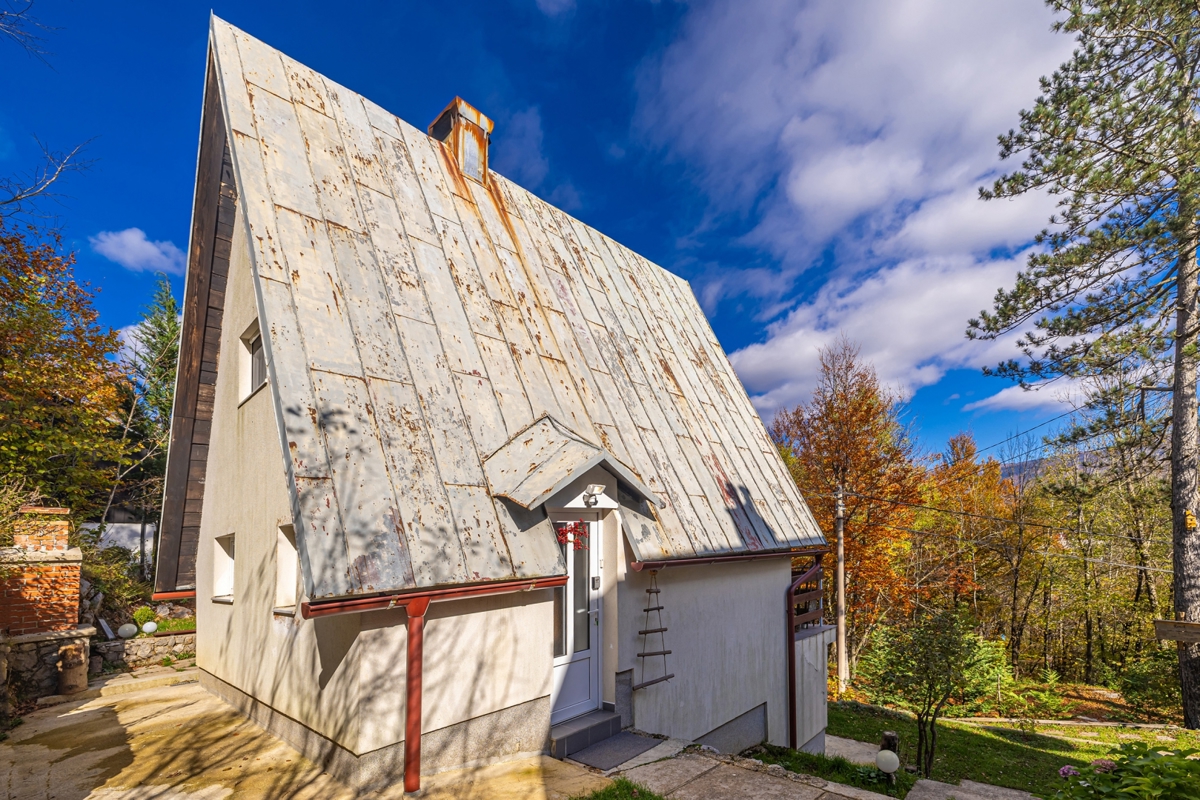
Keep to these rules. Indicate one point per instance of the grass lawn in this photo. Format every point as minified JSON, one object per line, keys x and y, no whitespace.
{"x":621,"y":789}
{"x":838,"y":770}
{"x":1001,"y":756}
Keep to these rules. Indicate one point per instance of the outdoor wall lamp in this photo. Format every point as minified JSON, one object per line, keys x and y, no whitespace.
{"x":591,"y":495}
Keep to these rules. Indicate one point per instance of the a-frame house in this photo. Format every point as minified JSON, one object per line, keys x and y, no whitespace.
{"x":454,"y":477}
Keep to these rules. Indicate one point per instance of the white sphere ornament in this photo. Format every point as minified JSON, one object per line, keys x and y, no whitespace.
{"x":150,"y":627}
{"x":887,"y":761}
{"x":127,"y":631}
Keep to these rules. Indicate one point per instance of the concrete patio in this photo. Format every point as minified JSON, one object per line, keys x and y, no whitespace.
{"x":158,"y":735}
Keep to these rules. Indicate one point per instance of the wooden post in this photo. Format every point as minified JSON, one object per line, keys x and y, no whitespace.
{"x":891,"y":741}
{"x":843,"y":662}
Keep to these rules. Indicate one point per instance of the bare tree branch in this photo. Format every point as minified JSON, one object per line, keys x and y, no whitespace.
{"x":18,"y":192}
{"x":17,"y":24}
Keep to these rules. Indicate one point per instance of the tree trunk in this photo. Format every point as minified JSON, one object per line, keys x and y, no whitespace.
{"x":1185,"y":430}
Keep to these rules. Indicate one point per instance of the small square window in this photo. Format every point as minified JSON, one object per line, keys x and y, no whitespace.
{"x":287,"y":569}
{"x":223,"y":569}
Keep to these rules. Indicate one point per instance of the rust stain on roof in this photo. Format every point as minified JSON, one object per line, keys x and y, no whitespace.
{"x":423,"y":493}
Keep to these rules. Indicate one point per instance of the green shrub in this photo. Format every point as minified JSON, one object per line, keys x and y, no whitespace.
{"x":143,"y":615}
{"x":1151,"y":683}
{"x":1046,"y":701}
{"x":1138,"y":770}
{"x":988,"y":686}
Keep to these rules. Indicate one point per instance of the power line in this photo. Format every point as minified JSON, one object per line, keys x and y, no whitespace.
{"x":1037,"y":552}
{"x":1028,"y":524}
{"x":1019,"y":434}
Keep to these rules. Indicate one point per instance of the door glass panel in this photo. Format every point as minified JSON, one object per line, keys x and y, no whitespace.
{"x":583,"y":581}
{"x":560,"y":621}
{"x":560,"y":613}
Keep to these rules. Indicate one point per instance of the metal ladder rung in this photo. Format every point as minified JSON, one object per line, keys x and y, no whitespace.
{"x":654,"y":653}
{"x":652,"y":630}
{"x":653,"y":608}
{"x":653,"y":591}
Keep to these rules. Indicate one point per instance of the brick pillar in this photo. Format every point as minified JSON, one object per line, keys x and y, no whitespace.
{"x":39,"y":590}
{"x":41,"y":530}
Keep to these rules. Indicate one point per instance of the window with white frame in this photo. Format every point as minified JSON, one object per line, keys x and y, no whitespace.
{"x":287,"y":569}
{"x":223,"y":569}
{"x":253,"y":367}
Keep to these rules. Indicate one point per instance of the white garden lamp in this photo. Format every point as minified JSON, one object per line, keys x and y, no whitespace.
{"x":887,"y":761}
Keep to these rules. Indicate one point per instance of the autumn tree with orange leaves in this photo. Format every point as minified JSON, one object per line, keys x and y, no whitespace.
{"x":969,"y":493}
{"x":60,"y":395}
{"x":850,"y":434}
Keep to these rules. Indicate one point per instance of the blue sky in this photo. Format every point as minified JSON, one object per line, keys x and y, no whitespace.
{"x":810,"y":167}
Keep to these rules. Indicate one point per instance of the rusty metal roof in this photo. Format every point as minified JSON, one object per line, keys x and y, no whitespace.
{"x":426,"y":333}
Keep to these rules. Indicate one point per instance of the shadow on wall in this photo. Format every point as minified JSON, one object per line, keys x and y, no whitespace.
{"x":360,"y":665}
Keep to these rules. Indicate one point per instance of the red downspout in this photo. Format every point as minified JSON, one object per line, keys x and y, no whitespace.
{"x":791,"y":646}
{"x":412,"y":707}
{"x":415,"y":605}
{"x":791,"y":664}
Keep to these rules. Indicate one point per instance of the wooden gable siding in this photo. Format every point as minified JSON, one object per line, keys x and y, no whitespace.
{"x":195,"y":383}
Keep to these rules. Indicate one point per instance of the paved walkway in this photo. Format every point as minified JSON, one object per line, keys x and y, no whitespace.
{"x":708,"y":776}
{"x":157,"y":735}
{"x":152,"y":741}
{"x":853,"y":751}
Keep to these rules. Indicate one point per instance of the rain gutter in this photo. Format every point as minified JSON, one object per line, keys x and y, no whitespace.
{"x":639,"y":566}
{"x":159,"y":596}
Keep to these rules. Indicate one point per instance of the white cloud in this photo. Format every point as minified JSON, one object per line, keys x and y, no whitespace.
{"x":131,"y":249}
{"x":517,"y":149}
{"x":1059,"y":396}
{"x":554,"y":8}
{"x":566,"y":197}
{"x":130,"y":346}
{"x":517,"y":155}
{"x":858,"y":136}
{"x":909,"y":320}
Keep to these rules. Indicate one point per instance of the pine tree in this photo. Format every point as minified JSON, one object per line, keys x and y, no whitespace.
{"x":150,"y":362}
{"x":1115,"y":136}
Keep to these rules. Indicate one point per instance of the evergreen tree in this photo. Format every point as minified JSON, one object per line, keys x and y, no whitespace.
{"x":150,"y":362}
{"x":1115,"y":136}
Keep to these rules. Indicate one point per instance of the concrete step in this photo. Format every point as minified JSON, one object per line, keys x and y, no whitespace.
{"x":125,"y":683}
{"x":576,"y":734}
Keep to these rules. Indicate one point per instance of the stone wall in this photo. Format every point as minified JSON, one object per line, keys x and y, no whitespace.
{"x":144,"y":650}
{"x":30,"y":665}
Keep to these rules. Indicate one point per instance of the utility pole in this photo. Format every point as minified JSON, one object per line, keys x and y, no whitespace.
{"x":843,"y":663}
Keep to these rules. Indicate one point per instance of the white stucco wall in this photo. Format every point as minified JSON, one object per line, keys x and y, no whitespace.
{"x":343,"y":676}
{"x":726,"y":631}
{"x":812,"y":676}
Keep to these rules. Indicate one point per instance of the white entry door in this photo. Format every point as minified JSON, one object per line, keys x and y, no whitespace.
{"x":577,"y":626}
